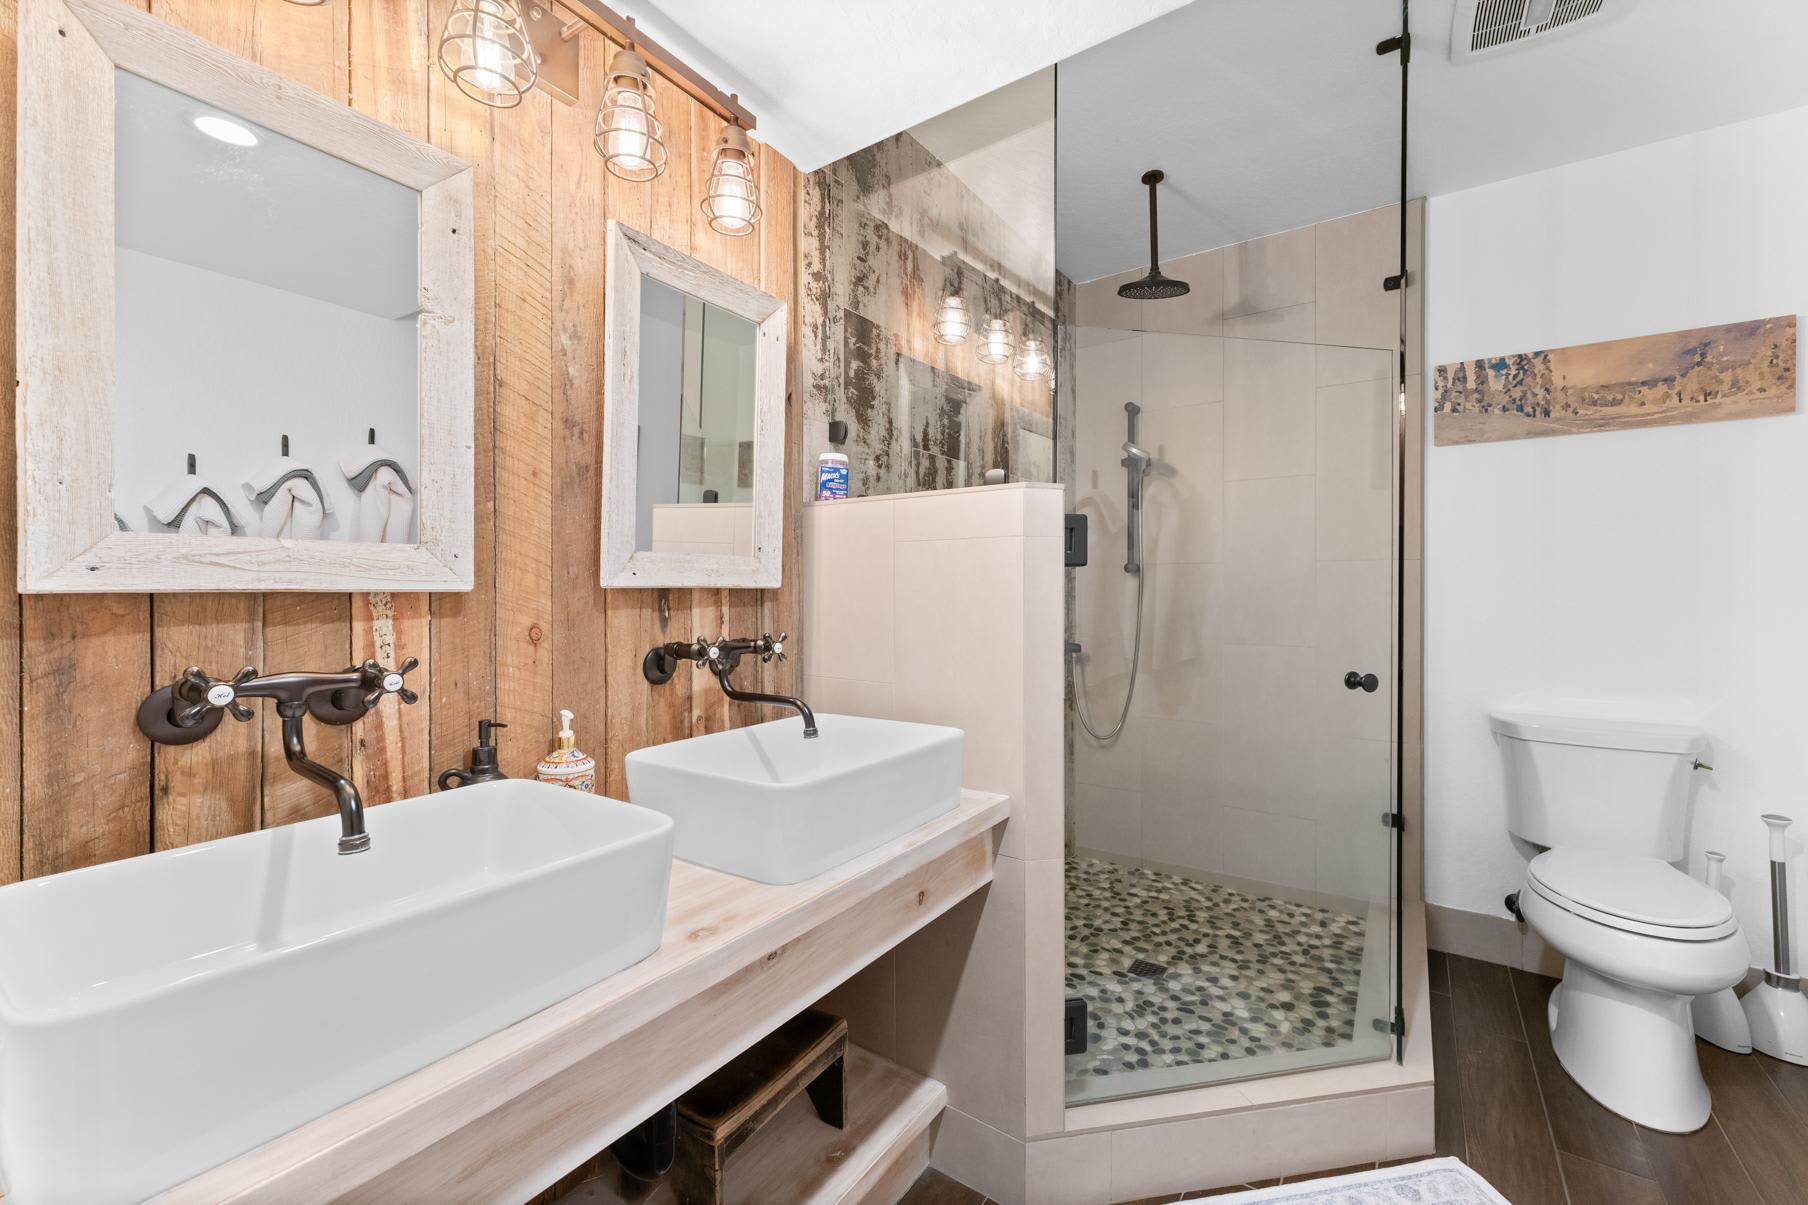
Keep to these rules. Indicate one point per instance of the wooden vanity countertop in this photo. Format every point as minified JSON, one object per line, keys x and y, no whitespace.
{"x":505,"y":1115}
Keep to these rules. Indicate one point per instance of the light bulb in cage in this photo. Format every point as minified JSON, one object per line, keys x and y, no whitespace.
{"x":485,"y":51}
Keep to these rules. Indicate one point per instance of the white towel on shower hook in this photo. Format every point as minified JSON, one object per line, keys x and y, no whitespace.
{"x":204,"y":516}
{"x":294,"y":512}
{"x":294,"y":505}
{"x":192,"y":505}
{"x":385,"y":508}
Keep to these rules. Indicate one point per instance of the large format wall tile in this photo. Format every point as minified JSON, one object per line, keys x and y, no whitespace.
{"x":1114,"y":763}
{"x":1288,"y":324}
{"x":1267,"y":762}
{"x":1183,"y":642}
{"x":1201,"y":311}
{"x":1355,"y":254}
{"x":1353,"y":789}
{"x":1183,"y":764}
{"x":1181,"y":370}
{"x":972,"y":962}
{"x":1097,"y":305}
{"x":1269,"y":566}
{"x":1354,"y":630}
{"x":1268,"y":848}
{"x":1269,"y":273}
{"x":1268,"y":409}
{"x":1183,"y":495}
{"x":969,"y":673}
{"x":848,"y":590}
{"x":1107,"y":820}
{"x":1355,"y":459}
{"x":848,"y":696}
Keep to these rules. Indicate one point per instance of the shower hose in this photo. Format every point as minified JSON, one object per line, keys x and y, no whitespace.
{"x":1136,"y":647}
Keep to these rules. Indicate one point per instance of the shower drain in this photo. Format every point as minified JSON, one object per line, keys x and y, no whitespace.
{"x":1142,"y":968}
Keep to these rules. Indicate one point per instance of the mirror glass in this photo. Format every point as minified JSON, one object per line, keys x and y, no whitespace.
{"x":695,"y":456}
{"x":267,"y":343}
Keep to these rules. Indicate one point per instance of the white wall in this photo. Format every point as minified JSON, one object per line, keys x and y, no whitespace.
{"x":224,"y":367}
{"x":1660,"y":572}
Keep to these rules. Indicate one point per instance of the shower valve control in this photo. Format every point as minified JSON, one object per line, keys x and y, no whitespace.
{"x":1359,"y":681}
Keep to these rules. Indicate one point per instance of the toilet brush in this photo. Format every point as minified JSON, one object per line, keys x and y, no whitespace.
{"x":1776,"y":1008}
{"x":1719,"y":1018}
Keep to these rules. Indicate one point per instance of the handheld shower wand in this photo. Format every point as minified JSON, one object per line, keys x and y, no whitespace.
{"x":1136,"y":464}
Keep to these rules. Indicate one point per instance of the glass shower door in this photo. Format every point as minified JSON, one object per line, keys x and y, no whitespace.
{"x":1231,"y":882}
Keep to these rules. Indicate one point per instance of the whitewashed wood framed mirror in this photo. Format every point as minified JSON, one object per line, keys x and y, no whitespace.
{"x":694,"y":422}
{"x":245,"y":326}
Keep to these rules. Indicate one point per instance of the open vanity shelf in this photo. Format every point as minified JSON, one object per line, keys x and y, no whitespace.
{"x":508,"y":1115}
{"x":797,"y":1158}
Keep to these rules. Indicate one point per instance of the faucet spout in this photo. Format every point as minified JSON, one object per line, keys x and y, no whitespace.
{"x":752,"y":696}
{"x":352,"y":837}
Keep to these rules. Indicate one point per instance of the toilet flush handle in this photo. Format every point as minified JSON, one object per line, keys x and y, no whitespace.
{"x":1701,"y":765}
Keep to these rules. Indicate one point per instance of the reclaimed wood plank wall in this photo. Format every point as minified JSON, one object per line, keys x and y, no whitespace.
{"x":80,"y":785}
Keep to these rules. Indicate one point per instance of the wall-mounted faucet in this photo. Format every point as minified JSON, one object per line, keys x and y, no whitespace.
{"x":193,"y":705}
{"x":720,"y":657}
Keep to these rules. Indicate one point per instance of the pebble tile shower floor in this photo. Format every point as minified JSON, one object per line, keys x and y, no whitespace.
{"x":1245,"y":975}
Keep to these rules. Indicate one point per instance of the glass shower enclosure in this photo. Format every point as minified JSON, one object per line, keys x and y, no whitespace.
{"x":1231,"y":880}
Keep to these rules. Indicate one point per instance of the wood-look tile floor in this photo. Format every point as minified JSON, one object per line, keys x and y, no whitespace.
{"x":1510,"y":1111}
{"x":1506,"y":1107}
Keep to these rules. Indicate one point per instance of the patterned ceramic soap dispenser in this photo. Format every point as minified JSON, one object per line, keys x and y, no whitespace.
{"x":567,"y":765}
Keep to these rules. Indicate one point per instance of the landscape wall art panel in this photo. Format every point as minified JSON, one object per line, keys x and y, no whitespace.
{"x":1740,"y":370}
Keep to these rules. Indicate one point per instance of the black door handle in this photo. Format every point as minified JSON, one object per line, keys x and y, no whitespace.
{"x":1356,"y":681}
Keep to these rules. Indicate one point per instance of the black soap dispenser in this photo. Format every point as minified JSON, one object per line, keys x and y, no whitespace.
{"x":483,"y":761}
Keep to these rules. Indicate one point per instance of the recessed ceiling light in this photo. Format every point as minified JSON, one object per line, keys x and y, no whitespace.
{"x":225,"y":129}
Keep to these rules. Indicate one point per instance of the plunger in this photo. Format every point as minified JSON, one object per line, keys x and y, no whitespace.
{"x":1719,"y":1018}
{"x":1776,"y":1008}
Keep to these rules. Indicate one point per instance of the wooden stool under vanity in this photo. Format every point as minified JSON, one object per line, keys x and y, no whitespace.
{"x":808,"y":1053}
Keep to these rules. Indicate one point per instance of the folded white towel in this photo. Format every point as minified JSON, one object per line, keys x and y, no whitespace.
{"x":294,"y":511}
{"x":386,"y":508}
{"x":204,"y":516}
{"x":192,"y":506}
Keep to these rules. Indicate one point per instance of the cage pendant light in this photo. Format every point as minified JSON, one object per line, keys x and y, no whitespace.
{"x":953,"y":323}
{"x":1032,"y":362}
{"x":485,"y":51}
{"x":995,"y":344}
{"x":629,"y":135}
{"x":731,"y":198}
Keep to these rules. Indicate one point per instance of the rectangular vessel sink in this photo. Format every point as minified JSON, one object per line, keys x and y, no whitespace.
{"x":767,"y":804}
{"x":163,"y":1014}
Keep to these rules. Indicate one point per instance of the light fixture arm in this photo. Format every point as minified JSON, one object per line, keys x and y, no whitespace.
{"x":727,"y":105}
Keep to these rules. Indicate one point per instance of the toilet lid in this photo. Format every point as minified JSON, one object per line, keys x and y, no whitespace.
{"x":1644,"y":891}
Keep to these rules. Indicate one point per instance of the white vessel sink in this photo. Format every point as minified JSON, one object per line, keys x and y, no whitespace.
{"x":767,"y":804}
{"x":163,"y":1014}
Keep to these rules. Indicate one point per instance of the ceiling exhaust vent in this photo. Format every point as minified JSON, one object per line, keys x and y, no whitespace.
{"x":1487,"y":27}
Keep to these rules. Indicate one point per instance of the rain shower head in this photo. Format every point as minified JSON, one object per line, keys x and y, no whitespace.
{"x":1154,"y":286}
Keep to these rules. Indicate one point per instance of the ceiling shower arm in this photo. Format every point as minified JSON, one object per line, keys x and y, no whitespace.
{"x":1152,"y":178}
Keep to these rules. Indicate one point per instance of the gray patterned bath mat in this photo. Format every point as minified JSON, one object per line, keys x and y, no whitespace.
{"x":1432,"y":1182}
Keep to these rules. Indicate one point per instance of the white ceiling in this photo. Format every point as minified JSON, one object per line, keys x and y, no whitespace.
{"x":280,"y":213}
{"x":1272,"y":114}
{"x":825,"y":78}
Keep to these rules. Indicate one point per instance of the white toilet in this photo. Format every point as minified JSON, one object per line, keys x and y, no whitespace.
{"x":1607,"y":800}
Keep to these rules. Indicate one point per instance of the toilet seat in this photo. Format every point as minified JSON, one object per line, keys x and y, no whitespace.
{"x":1634,"y":895}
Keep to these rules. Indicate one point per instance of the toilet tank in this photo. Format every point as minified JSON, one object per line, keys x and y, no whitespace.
{"x":1614,"y":785}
